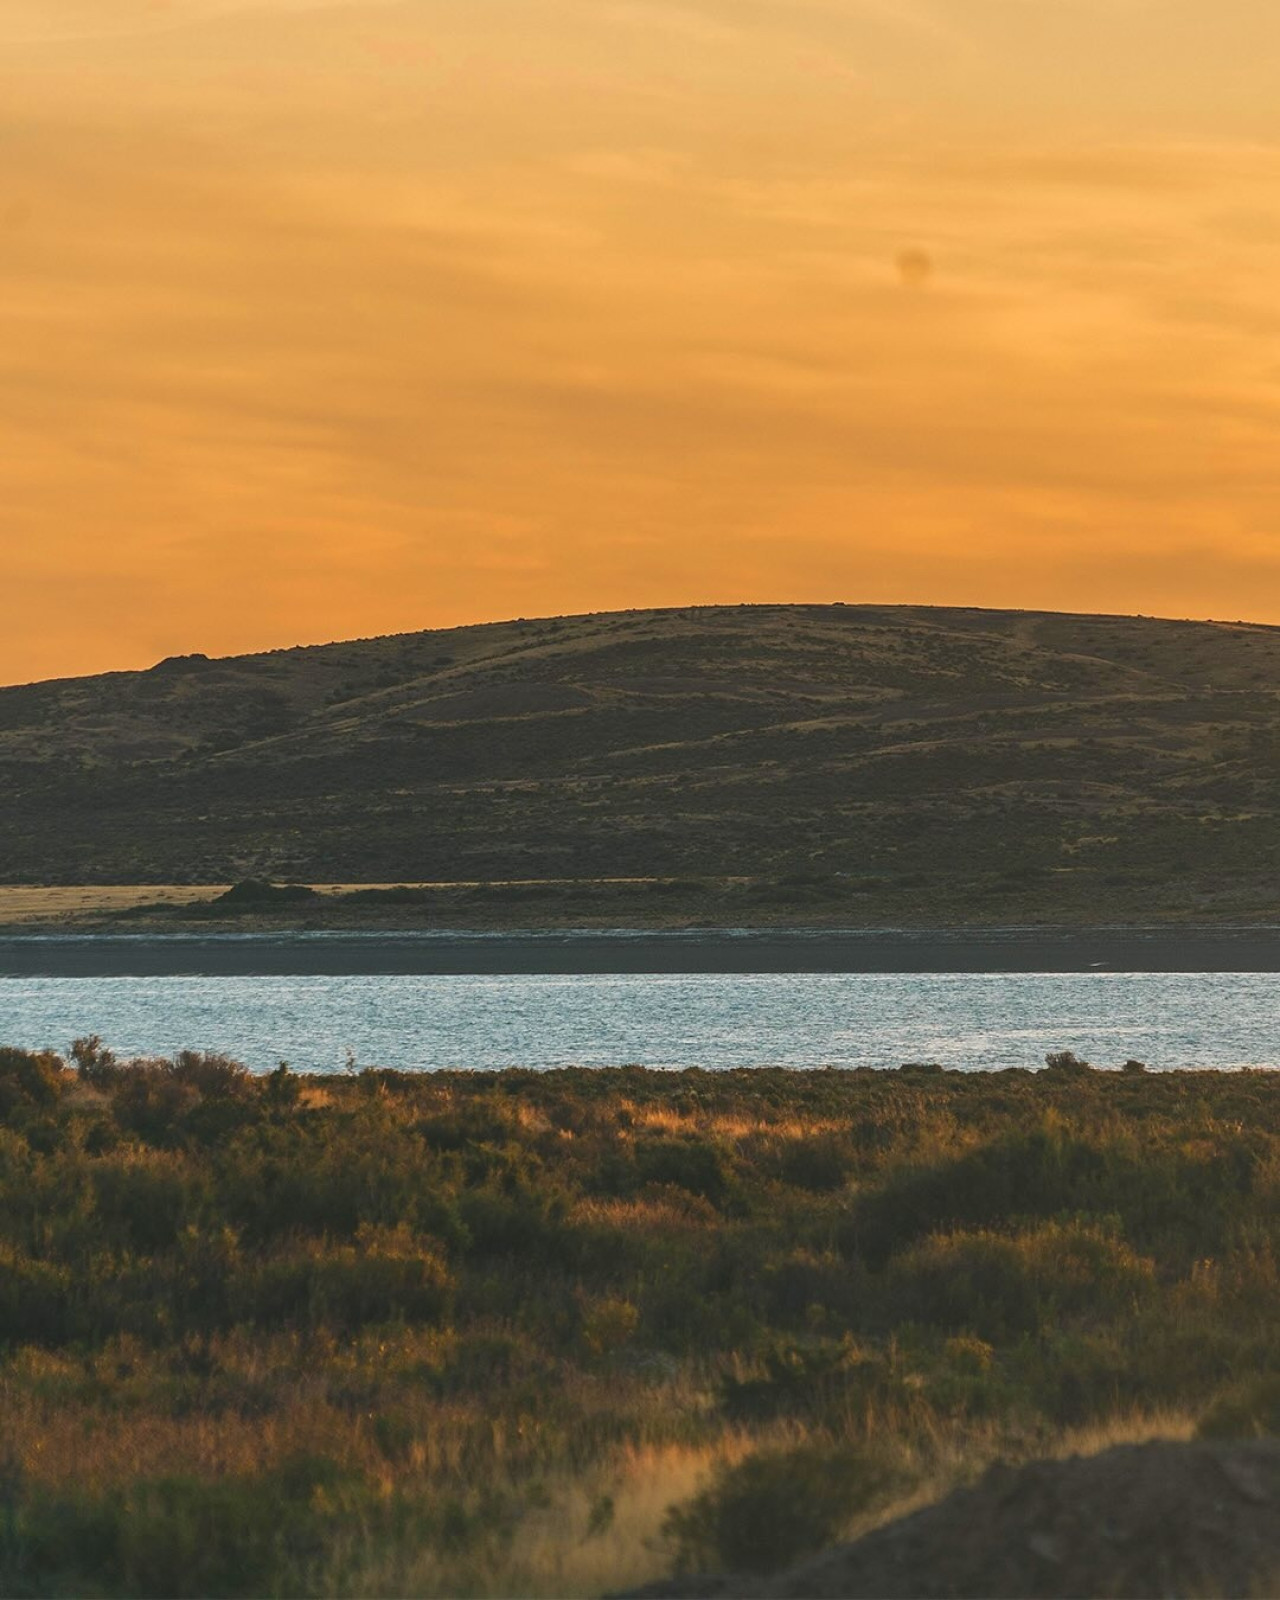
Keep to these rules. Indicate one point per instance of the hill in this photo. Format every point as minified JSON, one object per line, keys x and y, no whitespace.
{"x":827,"y":763}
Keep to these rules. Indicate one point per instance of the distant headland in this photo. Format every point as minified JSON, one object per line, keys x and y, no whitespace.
{"x":841,"y":766}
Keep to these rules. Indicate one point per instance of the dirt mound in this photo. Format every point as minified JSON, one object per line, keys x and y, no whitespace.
{"x":1154,"y":1519}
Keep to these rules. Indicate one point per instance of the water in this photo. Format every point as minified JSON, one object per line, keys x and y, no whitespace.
{"x":419,"y":1022}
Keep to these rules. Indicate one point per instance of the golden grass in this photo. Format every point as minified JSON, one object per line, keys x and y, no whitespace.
{"x":645,"y":1214}
{"x":39,"y":903}
{"x":1125,"y":1427}
{"x":605,"y":1532}
{"x":35,"y":903}
{"x":727,"y":1125}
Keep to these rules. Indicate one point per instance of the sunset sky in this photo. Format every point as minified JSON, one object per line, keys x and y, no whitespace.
{"x":324,"y":320}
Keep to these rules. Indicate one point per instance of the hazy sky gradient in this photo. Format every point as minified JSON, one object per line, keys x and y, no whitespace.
{"x":329,"y":319}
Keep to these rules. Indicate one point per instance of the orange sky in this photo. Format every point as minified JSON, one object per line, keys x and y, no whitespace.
{"x":321,"y":320}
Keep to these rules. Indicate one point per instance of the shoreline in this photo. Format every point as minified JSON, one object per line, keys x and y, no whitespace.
{"x":31,"y":954}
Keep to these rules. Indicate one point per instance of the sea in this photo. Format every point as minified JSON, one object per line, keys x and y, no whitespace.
{"x":422,"y":1021}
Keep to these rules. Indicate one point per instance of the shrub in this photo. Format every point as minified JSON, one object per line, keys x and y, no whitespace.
{"x":516,"y":1223}
{"x":969,"y":1356}
{"x":28,"y":1081}
{"x":774,"y":1508}
{"x":811,"y":1381}
{"x":255,"y":894}
{"x":387,"y":1277}
{"x":1021,"y":1175}
{"x":142,"y":1199}
{"x":804,"y":1285}
{"x":148,"y":1100}
{"x":94,"y":1062}
{"x":821,"y":1164}
{"x":999,"y":1286}
{"x":690,"y":1164}
{"x":182,"y":1537}
{"x":1250,"y":1410}
{"x":607,"y":1324}
{"x":35,"y":1301}
{"x":214,"y":1077}
{"x":1066,"y":1061}
{"x":283,"y":1089}
{"x":1158,"y":1192}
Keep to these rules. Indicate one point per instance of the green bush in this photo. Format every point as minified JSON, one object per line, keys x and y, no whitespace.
{"x":149,"y":1101}
{"x":813,"y":1381}
{"x":1158,"y":1193}
{"x":182,"y":1537}
{"x":774,"y":1508}
{"x":35,"y":1301}
{"x":690,"y":1164}
{"x":143,"y":1199}
{"x":384,"y":1277}
{"x":214,"y":1077}
{"x":821,"y":1165}
{"x":28,"y":1081}
{"x":1249,"y":1410}
{"x":1001,"y":1286}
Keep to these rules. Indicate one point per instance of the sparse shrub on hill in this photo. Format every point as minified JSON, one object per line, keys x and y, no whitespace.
{"x":1041,"y":774}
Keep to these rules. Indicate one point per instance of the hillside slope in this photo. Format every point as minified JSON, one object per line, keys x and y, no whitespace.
{"x":858,"y":763}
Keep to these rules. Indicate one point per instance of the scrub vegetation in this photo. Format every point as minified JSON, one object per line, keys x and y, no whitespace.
{"x":556,"y":1333}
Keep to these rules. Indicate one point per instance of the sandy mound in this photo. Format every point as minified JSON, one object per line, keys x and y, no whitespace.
{"x":1154,"y":1519}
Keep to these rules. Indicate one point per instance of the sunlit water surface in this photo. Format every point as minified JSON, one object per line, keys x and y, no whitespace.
{"x":970,"y":1021}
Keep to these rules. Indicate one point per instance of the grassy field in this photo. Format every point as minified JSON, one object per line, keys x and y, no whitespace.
{"x":557,"y":1333}
{"x":538,"y":903}
{"x":839,"y":764}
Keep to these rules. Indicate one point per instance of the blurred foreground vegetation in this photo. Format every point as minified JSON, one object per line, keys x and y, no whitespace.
{"x":555,"y":1333}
